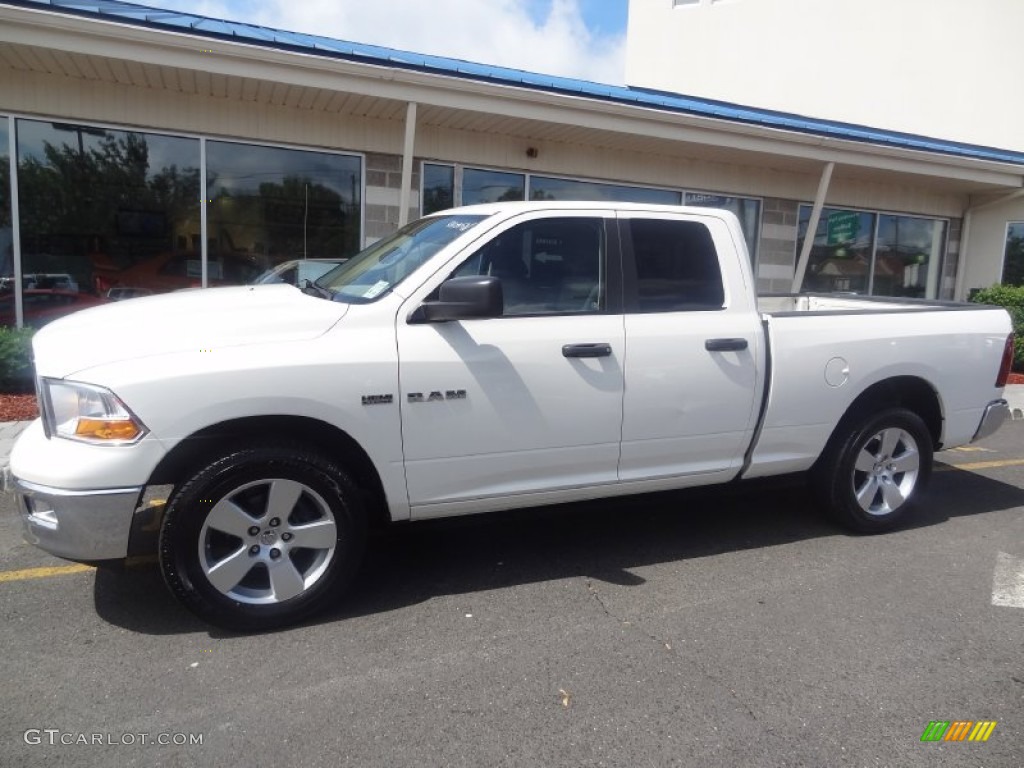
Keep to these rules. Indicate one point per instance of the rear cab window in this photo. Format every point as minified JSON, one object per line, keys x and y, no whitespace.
{"x":671,"y":266}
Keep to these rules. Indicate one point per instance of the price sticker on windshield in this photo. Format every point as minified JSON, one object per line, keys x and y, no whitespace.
{"x":376,"y":289}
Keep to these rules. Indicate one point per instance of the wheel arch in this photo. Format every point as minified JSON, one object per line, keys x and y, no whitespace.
{"x":911,"y":392}
{"x":202,"y":447}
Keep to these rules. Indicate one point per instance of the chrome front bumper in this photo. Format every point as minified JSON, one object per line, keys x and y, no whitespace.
{"x":78,"y":525}
{"x":995,"y":414}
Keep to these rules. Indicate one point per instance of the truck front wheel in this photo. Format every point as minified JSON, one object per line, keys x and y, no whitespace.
{"x":263,"y":537}
{"x":875,"y":469}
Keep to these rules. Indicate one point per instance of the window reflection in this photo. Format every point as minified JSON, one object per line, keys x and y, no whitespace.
{"x":438,"y":187}
{"x":480,"y":186}
{"x":841,"y":254}
{"x":269,"y":205}
{"x":747,"y":210}
{"x":548,"y":188}
{"x":102,"y":209}
{"x":907,"y":256}
{"x":1013,"y":257}
{"x":6,"y":231}
{"x":548,"y":266}
{"x":903,"y":258}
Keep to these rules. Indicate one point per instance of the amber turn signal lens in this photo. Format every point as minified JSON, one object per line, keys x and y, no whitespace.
{"x":113,"y":429}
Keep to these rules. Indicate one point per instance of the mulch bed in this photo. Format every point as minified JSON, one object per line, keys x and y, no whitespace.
{"x":18,"y":407}
{"x":23,"y":407}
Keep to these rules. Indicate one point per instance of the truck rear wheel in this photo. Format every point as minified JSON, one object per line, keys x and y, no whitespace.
{"x":263,"y":537}
{"x":875,"y":469}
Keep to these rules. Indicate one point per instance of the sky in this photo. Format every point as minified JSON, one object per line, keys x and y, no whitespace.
{"x":583,"y":39}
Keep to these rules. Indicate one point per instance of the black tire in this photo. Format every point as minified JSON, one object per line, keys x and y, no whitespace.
{"x":875,"y":469}
{"x":263,"y":537}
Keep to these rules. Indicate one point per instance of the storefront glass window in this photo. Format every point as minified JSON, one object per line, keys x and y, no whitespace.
{"x":747,"y":210}
{"x":548,"y":188}
{"x":1013,"y":258}
{"x":901,"y":258}
{"x":907,"y":256}
{"x":100,"y":209}
{"x":480,"y":186}
{"x":268,"y":205}
{"x":841,"y":255}
{"x":438,"y":187}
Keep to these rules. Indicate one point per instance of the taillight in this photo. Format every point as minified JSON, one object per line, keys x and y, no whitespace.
{"x":1004,"y":367}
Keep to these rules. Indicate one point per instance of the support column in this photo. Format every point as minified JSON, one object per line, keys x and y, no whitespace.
{"x":812,"y":227}
{"x":405,"y":195}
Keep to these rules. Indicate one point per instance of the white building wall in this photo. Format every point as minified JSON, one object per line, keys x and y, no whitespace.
{"x":986,"y":245}
{"x":947,"y":69}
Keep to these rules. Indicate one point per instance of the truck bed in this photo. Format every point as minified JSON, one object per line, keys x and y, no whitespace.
{"x":791,"y":303}
{"x":826,"y":349}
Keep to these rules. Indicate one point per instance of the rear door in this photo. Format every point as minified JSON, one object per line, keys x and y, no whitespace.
{"x":694,"y":348}
{"x":496,"y":410}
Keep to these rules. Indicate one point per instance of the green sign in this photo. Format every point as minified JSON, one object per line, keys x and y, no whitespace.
{"x":842,"y":227}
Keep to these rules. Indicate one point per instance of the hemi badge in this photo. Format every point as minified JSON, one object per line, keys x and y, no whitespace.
{"x":378,"y":399}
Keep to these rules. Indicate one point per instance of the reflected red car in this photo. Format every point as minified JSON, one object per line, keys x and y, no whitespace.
{"x":41,"y":306}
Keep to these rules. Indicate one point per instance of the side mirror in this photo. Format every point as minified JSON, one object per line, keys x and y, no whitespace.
{"x":463,"y":298}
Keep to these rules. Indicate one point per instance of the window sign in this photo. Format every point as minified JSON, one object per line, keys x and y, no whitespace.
{"x":843,"y":227}
{"x":840,"y":258}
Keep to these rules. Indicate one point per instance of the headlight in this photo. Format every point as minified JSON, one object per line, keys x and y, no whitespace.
{"x":88,"y":413}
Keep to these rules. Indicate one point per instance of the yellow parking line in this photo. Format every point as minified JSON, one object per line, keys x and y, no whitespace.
{"x":981,"y":465}
{"x":43,"y":573}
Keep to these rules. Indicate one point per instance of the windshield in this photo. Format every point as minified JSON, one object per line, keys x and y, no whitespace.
{"x":373,"y":272}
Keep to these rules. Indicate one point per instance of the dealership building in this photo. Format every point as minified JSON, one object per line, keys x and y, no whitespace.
{"x":147,"y":150}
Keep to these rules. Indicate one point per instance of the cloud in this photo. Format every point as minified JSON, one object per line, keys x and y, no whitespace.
{"x":499,"y":32}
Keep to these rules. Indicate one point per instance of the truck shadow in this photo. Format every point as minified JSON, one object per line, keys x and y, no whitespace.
{"x":601,"y":540}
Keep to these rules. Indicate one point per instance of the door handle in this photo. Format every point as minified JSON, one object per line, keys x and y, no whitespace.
{"x":586,"y":350}
{"x":725,"y":345}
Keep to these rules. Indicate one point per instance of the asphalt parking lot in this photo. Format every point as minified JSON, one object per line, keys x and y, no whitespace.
{"x":726,"y":628}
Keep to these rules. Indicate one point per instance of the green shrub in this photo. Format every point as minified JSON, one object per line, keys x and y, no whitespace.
{"x":16,"y":359}
{"x":1012,"y":298}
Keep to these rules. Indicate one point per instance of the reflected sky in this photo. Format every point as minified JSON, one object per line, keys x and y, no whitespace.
{"x":163,"y":151}
{"x":239,"y":169}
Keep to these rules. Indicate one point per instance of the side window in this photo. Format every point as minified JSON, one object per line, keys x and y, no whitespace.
{"x":677,"y":267}
{"x":546,"y":266}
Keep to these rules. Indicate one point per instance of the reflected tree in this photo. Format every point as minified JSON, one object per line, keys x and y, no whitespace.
{"x":1013,"y":263}
{"x":79,"y":200}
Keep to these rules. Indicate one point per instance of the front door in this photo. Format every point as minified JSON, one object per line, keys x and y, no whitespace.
{"x":528,"y":403}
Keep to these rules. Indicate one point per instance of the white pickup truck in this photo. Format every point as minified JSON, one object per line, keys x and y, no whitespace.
{"x":482,"y":358}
